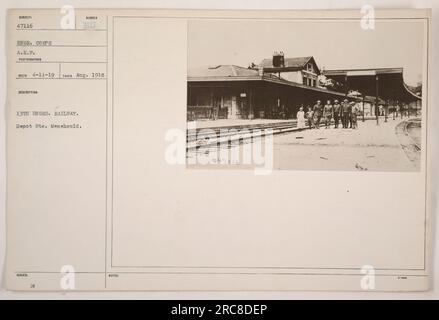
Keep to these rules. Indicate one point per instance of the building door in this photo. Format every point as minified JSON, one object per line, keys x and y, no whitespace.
{"x":216,"y":107}
{"x":233,"y":113}
{"x":243,"y":107}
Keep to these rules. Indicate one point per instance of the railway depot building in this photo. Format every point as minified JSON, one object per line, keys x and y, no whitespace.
{"x":274,"y":89}
{"x":278,"y":87}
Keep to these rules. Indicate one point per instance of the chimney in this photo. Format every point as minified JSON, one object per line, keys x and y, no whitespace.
{"x":278,"y":59}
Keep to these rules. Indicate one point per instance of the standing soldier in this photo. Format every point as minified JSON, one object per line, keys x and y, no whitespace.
{"x":351,"y":107}
{"x":300,"y":118}
{"x":309,"y":117}
{"x":318,"y":111}
{"x":328,"y":113}
{"x":346,"y":113}
{"x":337,"y":113}
{"x":354,"y":114}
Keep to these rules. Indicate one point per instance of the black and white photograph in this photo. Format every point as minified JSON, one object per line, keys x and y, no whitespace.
{"x":335,"y":94}
{"x":220,"y":153}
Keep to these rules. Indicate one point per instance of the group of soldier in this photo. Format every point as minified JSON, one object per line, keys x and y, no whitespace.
{"x":346,"y":113}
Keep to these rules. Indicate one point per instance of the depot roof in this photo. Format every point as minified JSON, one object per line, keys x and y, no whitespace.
{"x":388,"y":82}
{"x":290,"y":64}
{"x":222,"y":71}
{"x":229,"y":73}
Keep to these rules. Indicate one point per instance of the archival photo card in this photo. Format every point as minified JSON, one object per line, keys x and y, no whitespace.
{"x":215,"y":150}
{"x":330,"y":94}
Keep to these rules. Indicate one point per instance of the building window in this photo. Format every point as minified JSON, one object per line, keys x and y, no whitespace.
{"x":192,"y":99}
{"x":304,"y":80}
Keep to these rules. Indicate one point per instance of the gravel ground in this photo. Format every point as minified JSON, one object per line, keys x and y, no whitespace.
{"x":370,"y":147}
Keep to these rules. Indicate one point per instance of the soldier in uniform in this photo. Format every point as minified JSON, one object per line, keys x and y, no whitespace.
{"x":350,"y":120}
{"x":354,"y":113}
{"x":337,"y":113}
{"x":346,"y":113}
{"x":318,"y":111}
{"x":310,"y":117}
{"x":328,"y":113}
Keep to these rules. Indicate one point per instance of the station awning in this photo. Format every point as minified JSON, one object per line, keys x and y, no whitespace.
{"x":386,"y":83}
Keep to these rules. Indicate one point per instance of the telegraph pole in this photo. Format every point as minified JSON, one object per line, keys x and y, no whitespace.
{"x":376,"y":99}
{"x":363,"y":108}
{"x":386,"y":109}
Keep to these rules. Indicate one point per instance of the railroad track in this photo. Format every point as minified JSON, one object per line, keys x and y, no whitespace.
{"x":235,"y":134}
{"x":407,"y":126}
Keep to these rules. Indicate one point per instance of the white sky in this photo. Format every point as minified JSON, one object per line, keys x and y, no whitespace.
{"x":334,"y":44}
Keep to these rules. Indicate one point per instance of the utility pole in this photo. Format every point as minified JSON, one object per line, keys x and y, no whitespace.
{"x":386,"y":109}
{"x":394,"y":109}
{"x":363,"y":108}
{"x":376,"y":99}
